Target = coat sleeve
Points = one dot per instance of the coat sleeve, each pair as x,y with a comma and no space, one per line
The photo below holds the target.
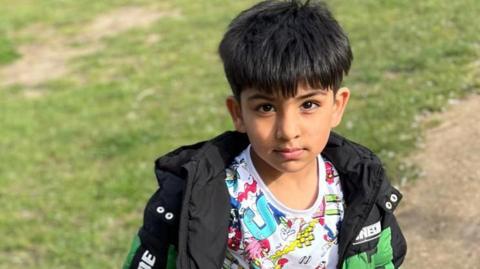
388,200
399,244
155,243
380,243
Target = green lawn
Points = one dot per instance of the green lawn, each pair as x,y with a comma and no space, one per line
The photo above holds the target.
7,51
76,160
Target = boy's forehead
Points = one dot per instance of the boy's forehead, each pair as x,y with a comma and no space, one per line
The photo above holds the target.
301,91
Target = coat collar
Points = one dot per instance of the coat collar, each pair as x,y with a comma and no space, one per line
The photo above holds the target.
360,171
359,167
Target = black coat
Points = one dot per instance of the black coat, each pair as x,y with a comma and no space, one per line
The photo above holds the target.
190,211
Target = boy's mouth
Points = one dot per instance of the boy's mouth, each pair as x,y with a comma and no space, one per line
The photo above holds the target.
290,153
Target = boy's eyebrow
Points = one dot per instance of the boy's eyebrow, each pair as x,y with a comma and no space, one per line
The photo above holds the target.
314,93
301,97
260,96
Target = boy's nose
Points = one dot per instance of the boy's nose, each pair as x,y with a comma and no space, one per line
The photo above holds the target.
287,127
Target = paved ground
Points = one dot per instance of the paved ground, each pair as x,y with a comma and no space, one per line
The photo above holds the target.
440,213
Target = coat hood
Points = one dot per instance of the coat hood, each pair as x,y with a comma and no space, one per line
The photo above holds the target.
212,156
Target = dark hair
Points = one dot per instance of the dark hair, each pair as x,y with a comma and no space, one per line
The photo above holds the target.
275,45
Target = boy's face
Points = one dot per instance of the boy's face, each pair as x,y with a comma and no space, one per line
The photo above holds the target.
287,134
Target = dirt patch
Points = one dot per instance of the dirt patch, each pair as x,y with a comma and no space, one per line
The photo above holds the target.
440,211
122,20
49,59
40,63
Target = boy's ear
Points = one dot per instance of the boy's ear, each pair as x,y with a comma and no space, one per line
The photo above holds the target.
235,111
340,103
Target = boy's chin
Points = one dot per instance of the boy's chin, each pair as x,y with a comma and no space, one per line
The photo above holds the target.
295,166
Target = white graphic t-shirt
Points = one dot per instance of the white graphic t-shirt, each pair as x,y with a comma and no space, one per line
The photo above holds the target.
264,233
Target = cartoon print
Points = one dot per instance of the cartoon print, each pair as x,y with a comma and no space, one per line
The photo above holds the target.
257,249
332,204
320,212
330,172
268,264
279,216
286,232
269,226
305,237
305,260
234,238
330,236
234,203
262,234
281,263
249,188
232,179
234,230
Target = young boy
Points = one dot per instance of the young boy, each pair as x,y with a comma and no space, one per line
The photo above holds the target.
282,191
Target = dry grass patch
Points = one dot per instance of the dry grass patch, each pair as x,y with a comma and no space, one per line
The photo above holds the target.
48,59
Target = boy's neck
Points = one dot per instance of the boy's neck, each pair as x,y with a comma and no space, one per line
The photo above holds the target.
296,190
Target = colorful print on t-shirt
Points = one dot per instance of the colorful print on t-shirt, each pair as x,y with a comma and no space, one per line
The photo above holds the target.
264,233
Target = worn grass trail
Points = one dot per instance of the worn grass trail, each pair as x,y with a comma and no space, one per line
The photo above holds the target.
439,214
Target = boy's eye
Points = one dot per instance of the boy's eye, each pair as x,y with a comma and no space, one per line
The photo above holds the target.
309,105
265,108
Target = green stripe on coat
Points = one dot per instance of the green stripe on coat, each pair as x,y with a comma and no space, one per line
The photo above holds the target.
131,253
381,259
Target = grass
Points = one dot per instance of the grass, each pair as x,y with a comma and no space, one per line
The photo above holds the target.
7,50
76,163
